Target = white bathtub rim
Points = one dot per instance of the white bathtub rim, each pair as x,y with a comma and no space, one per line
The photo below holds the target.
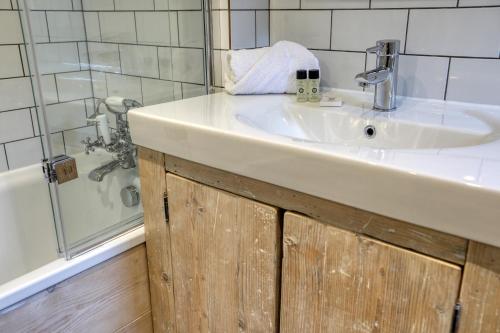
21,288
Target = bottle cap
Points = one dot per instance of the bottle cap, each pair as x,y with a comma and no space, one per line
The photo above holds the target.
301,74
314,74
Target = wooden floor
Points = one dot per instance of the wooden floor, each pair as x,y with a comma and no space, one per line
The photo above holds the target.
110,297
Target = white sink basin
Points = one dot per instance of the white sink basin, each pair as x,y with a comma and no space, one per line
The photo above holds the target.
356,125
432,163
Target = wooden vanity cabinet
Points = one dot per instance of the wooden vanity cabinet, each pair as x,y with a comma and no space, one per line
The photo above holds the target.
336,281
220,260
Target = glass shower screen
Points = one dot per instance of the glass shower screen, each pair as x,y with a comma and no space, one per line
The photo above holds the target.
90,62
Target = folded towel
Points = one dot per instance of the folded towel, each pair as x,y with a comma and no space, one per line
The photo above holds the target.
268,70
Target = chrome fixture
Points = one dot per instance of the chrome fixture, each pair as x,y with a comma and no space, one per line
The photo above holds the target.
130,196
119,142
384,76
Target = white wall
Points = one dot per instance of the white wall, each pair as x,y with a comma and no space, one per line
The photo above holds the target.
450,48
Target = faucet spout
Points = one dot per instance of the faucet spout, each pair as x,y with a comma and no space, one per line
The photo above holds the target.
374,76
98,174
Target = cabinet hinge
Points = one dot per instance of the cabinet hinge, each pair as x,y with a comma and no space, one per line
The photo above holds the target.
165,207
457,311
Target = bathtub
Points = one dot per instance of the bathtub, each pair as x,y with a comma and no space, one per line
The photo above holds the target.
29,258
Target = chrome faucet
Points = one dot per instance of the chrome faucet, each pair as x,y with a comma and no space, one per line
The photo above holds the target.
384,76
119,143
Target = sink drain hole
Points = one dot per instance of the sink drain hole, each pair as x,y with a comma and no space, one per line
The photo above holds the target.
370,131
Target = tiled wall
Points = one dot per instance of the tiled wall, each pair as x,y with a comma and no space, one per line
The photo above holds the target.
148,50
450,48
237,24
59,32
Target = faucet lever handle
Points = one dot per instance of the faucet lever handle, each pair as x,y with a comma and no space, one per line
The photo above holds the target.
374,49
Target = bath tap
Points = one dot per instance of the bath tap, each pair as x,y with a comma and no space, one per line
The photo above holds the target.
384,76
119,143
98,174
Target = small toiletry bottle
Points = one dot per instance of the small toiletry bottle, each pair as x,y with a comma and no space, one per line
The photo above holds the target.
313,89
301,85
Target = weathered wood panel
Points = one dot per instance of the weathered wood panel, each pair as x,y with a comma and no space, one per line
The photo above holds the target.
105,298
226,252
480,294
143,324
154,187
336,281
420,239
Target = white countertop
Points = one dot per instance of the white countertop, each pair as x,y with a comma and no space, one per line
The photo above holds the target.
454,189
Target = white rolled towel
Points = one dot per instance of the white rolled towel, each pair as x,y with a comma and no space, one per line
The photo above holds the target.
268,70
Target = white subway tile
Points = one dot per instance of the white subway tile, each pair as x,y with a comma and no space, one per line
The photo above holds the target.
220,4
139,60
58,57
157,91
66,26
51,4
423,77
285,4
242,29
16,93
92,26
49,90
339,68
165,61
117,27
413,3
23,153
3,158
262,23
99,84
477,3
77,4
474,80
153,28
134,5
177,91
73,139
65,116
10,64
220,29
188,65
39,26
104,57
192,90
73,86
356,30
10,28
98,5
124,86
15,125
184,4
191,29
459,32
217,68
302,27
57,142
174,31
4,4
249,4
333,4
84,56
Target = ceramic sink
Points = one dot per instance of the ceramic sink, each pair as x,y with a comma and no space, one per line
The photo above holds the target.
431,163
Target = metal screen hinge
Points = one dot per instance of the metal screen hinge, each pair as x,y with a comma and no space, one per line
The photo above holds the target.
457,312
60,169
165,207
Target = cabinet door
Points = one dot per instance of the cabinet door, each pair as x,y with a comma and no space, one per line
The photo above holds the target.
337,281
225,259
